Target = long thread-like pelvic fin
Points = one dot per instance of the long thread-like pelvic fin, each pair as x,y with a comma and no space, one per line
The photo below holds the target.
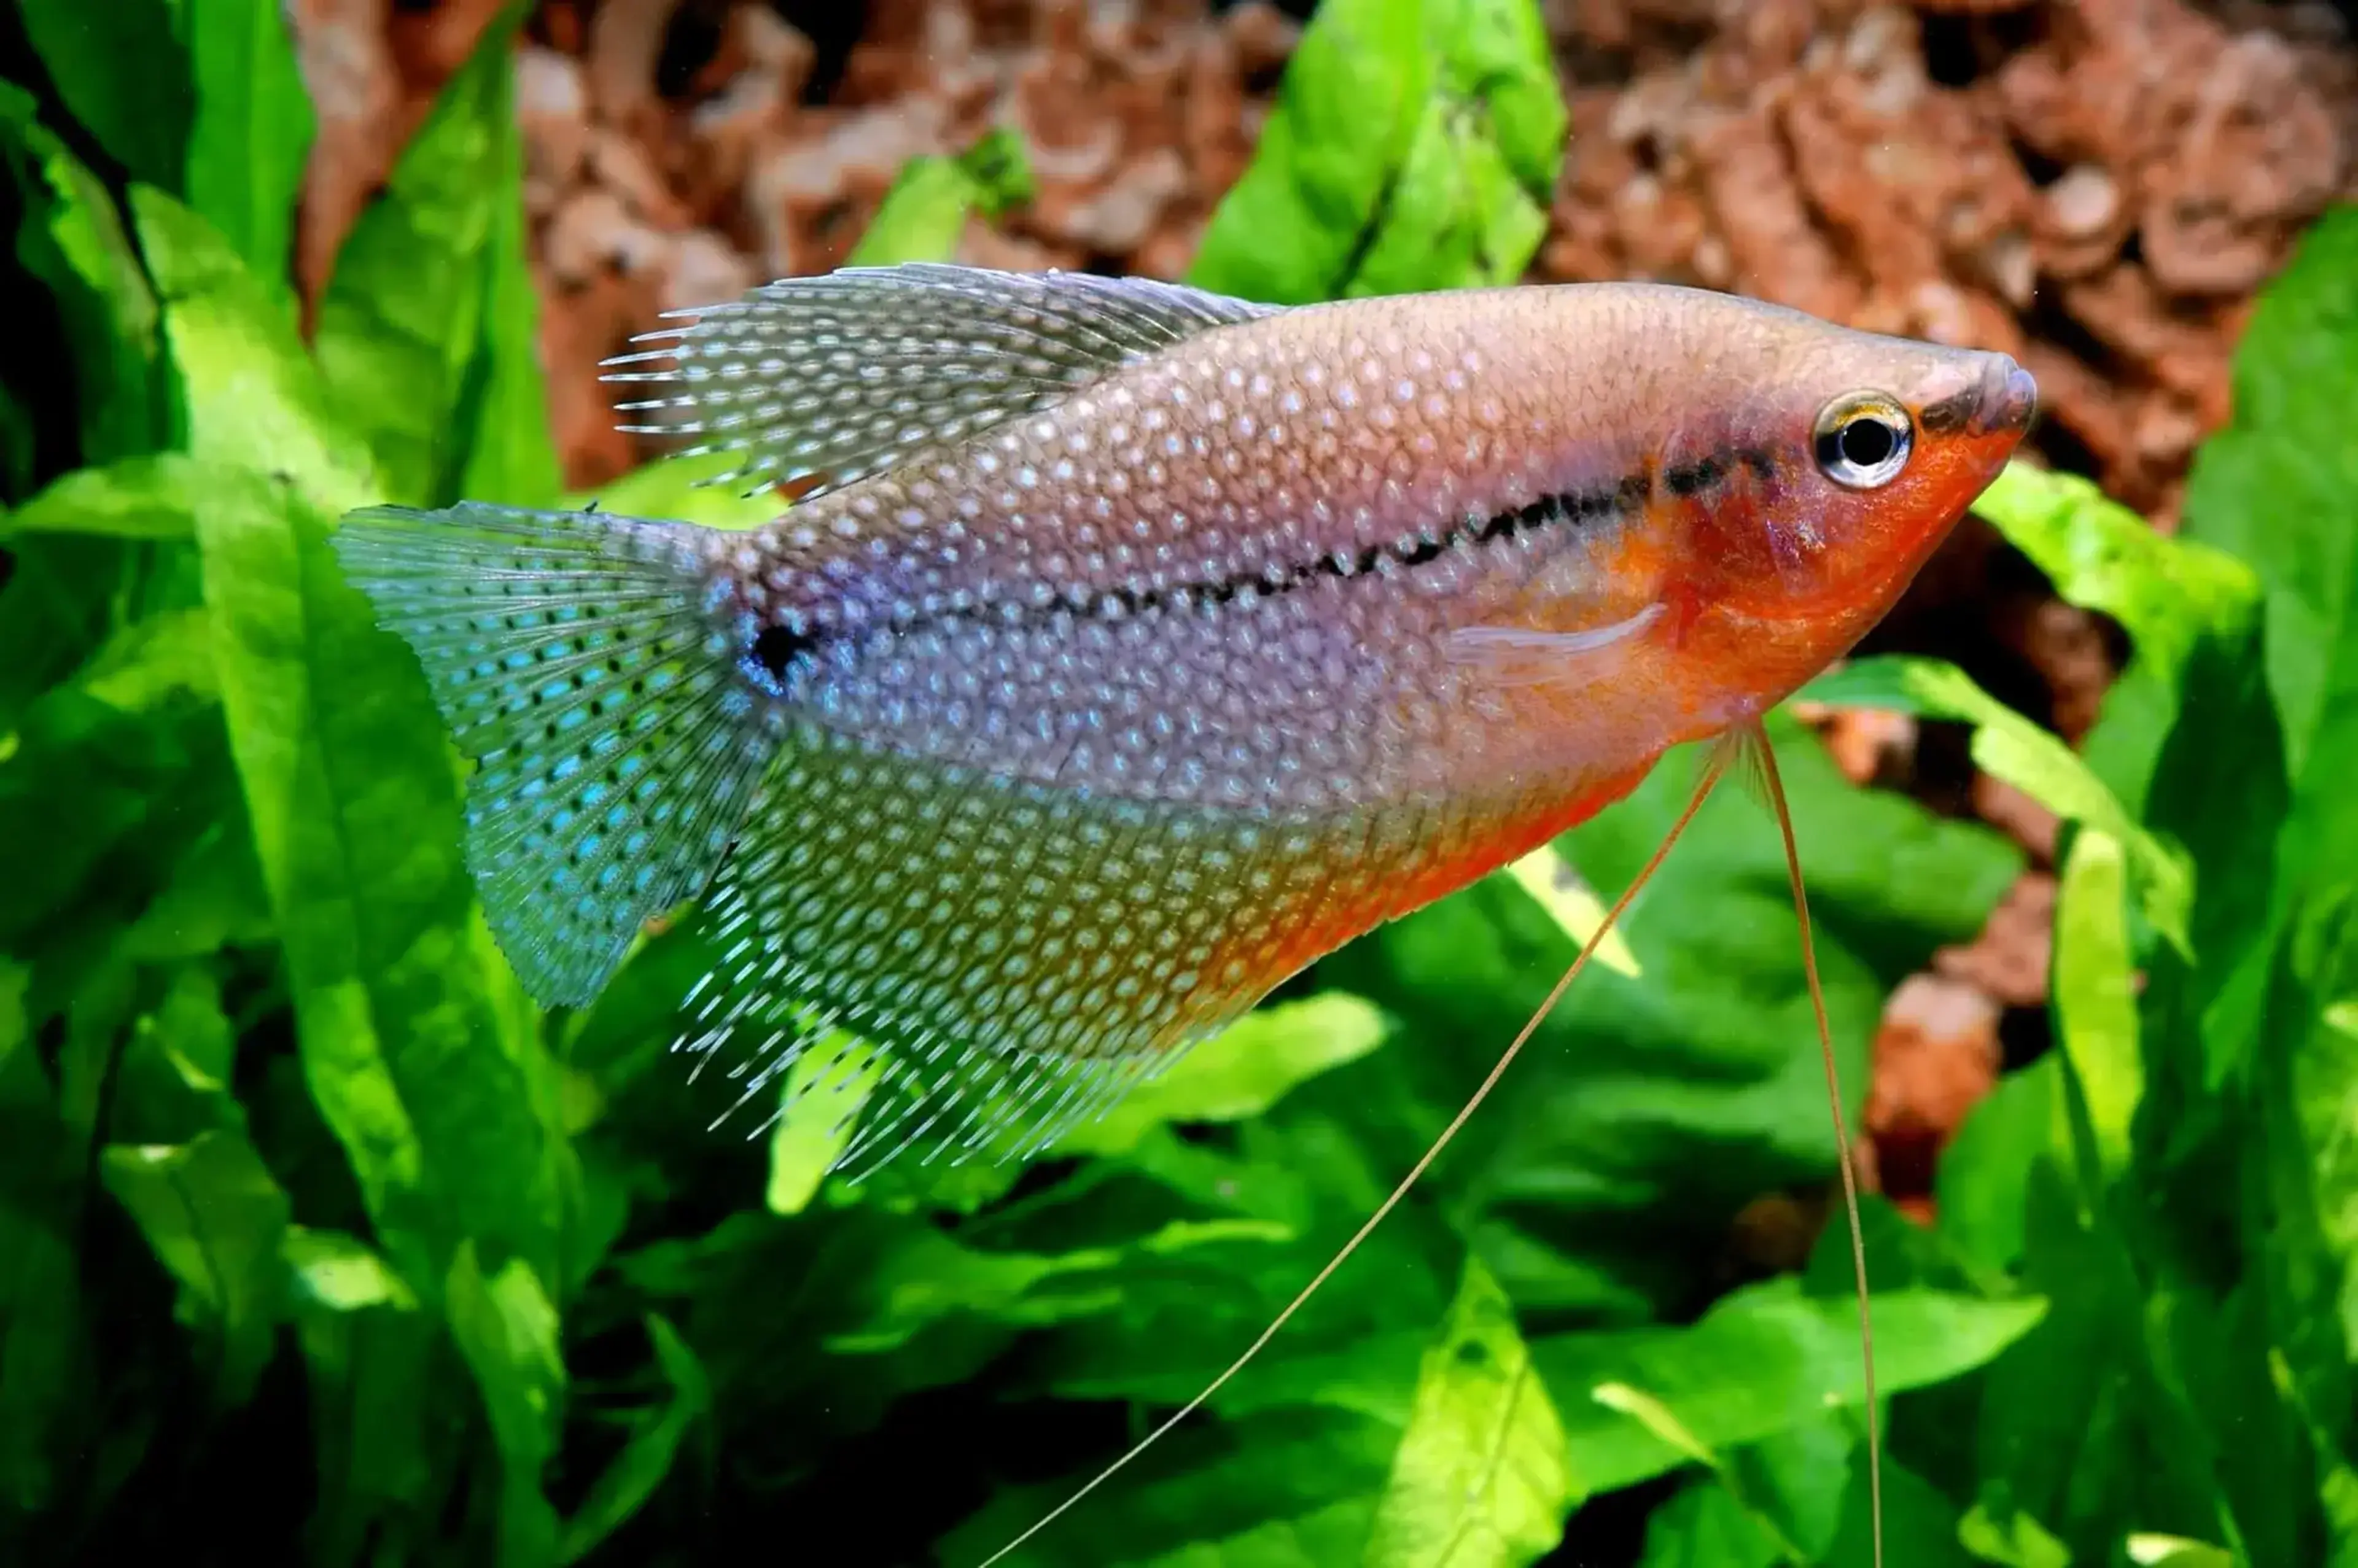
1750,747
616,743
1713,767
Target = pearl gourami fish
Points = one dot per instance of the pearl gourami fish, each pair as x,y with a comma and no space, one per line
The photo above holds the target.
1138,645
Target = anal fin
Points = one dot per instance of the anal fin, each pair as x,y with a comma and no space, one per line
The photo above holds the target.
1019,955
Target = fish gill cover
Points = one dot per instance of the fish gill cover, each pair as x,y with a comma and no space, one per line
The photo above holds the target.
318,1241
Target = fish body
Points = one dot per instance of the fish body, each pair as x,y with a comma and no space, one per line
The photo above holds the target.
1143,645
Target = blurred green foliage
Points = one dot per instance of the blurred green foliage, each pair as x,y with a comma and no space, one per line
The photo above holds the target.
318,1241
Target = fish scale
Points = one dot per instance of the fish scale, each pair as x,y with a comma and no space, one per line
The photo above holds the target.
1135,647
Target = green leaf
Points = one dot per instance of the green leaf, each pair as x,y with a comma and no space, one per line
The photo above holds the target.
816,1127
2302,1217
2086,1380
41,1339
2095,987
1288,1489
926,212
1454,216
2276,487
124,763
254,398
1499,52
1372,1372
2220,791
1658,1419
1705,1526
212,895
2320,1062
2011,1541
1983,1181
2279,487
2008,746
152,663
922,216
71,237
623,1488
336,1271
122,70
2172,597
2149,1550
1347,111
1481,1478
511,449
1758,1362
138,498
410,1040
999,171
1414,145
1557,886
62,600
403,323
173,1077
382,1373
1796,1498
507,1330
2164,592
398,994
1919,1523
252,128
1242,1071
61,1398
933,1280
215,1217
377,1374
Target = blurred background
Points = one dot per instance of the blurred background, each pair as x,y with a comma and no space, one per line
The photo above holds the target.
320,1243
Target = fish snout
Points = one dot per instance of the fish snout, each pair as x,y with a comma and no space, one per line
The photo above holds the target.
2007,398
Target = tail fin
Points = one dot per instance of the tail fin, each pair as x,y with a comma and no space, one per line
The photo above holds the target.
574,661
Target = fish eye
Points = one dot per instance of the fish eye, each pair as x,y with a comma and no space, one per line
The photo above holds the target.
1863,440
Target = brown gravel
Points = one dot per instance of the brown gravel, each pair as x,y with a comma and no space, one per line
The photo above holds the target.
1935,1056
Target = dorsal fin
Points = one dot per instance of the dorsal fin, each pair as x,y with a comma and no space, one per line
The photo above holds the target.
847,376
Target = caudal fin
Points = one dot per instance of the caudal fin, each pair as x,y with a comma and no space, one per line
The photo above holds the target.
618,745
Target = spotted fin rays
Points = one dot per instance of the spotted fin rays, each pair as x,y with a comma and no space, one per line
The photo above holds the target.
615,746
845,376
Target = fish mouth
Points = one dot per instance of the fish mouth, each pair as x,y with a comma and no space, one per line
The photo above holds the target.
2005,401
1999,401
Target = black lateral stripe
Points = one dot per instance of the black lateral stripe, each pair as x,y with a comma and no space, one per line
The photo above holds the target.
1577,508
1692,478
1627,497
